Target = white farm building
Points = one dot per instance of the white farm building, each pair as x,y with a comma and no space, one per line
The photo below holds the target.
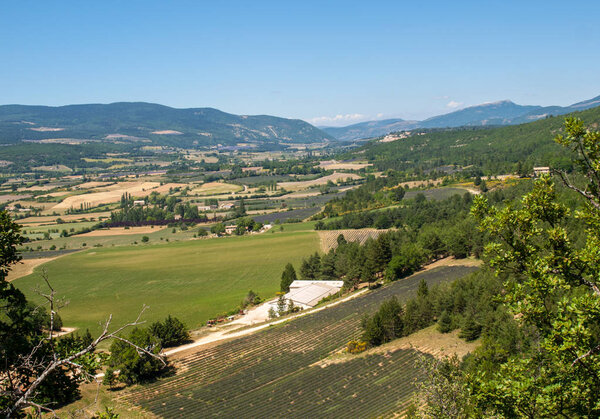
306,294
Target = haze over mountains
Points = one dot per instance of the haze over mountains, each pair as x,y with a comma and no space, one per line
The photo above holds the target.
497,113
193,127
148,122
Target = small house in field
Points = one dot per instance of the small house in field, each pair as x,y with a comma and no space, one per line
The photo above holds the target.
226,205
139,203
542,170
207,207
230,229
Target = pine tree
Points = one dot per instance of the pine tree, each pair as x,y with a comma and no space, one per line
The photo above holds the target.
287,277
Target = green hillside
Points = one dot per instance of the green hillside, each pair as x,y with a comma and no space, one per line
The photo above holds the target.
147,122
495,150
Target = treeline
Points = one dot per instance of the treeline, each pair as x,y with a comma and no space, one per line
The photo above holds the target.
393,255
469,304
160,210
496,150
419,212
135,367
375,192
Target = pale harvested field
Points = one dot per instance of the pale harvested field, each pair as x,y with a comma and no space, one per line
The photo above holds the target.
334,165
295,186
36,221
57,168
37,188
167,132
122,231
25,267
113,194
7,198
421,183
54,194
328,238
216,188
92,185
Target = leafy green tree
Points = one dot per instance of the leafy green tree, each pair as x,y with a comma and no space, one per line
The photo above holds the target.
134,366
170,332
551,286
218,229
287,277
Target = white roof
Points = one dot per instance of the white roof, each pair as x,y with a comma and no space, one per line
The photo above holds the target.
302,283
310,295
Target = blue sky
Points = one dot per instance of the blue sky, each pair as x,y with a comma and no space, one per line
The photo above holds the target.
328,62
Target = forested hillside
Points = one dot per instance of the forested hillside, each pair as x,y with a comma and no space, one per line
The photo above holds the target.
495,150
148,122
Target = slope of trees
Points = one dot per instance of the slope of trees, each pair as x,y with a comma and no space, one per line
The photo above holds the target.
540,356
494,150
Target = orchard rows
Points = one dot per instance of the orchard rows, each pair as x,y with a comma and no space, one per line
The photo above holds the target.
271,373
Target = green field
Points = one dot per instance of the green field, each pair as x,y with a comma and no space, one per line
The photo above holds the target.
193,280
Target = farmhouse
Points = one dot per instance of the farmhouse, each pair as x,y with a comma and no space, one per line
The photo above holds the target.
542,170
230,229
225,205
140,203
206,207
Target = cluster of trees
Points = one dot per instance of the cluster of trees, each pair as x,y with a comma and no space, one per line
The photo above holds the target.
160,209
242,226
469,304
540,352
129,366
392,255
375,192
413,214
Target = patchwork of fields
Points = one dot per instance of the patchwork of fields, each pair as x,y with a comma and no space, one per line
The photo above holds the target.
272,373
192,280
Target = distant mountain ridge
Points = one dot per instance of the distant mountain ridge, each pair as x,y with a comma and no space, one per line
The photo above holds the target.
504,112
148,122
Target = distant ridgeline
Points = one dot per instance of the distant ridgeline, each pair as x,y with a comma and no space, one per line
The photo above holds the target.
496,150
147,123
503,112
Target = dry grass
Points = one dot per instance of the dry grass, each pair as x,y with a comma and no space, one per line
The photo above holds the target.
122,231
216,188
25,267
114,192
427,340
43,220
334,165
421,183
334,177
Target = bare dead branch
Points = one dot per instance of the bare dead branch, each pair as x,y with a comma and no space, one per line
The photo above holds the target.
592,199
24,399
585,355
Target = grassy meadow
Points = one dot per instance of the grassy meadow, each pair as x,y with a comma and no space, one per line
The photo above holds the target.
193,280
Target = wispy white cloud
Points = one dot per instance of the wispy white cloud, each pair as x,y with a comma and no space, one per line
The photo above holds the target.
454,104
340,119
